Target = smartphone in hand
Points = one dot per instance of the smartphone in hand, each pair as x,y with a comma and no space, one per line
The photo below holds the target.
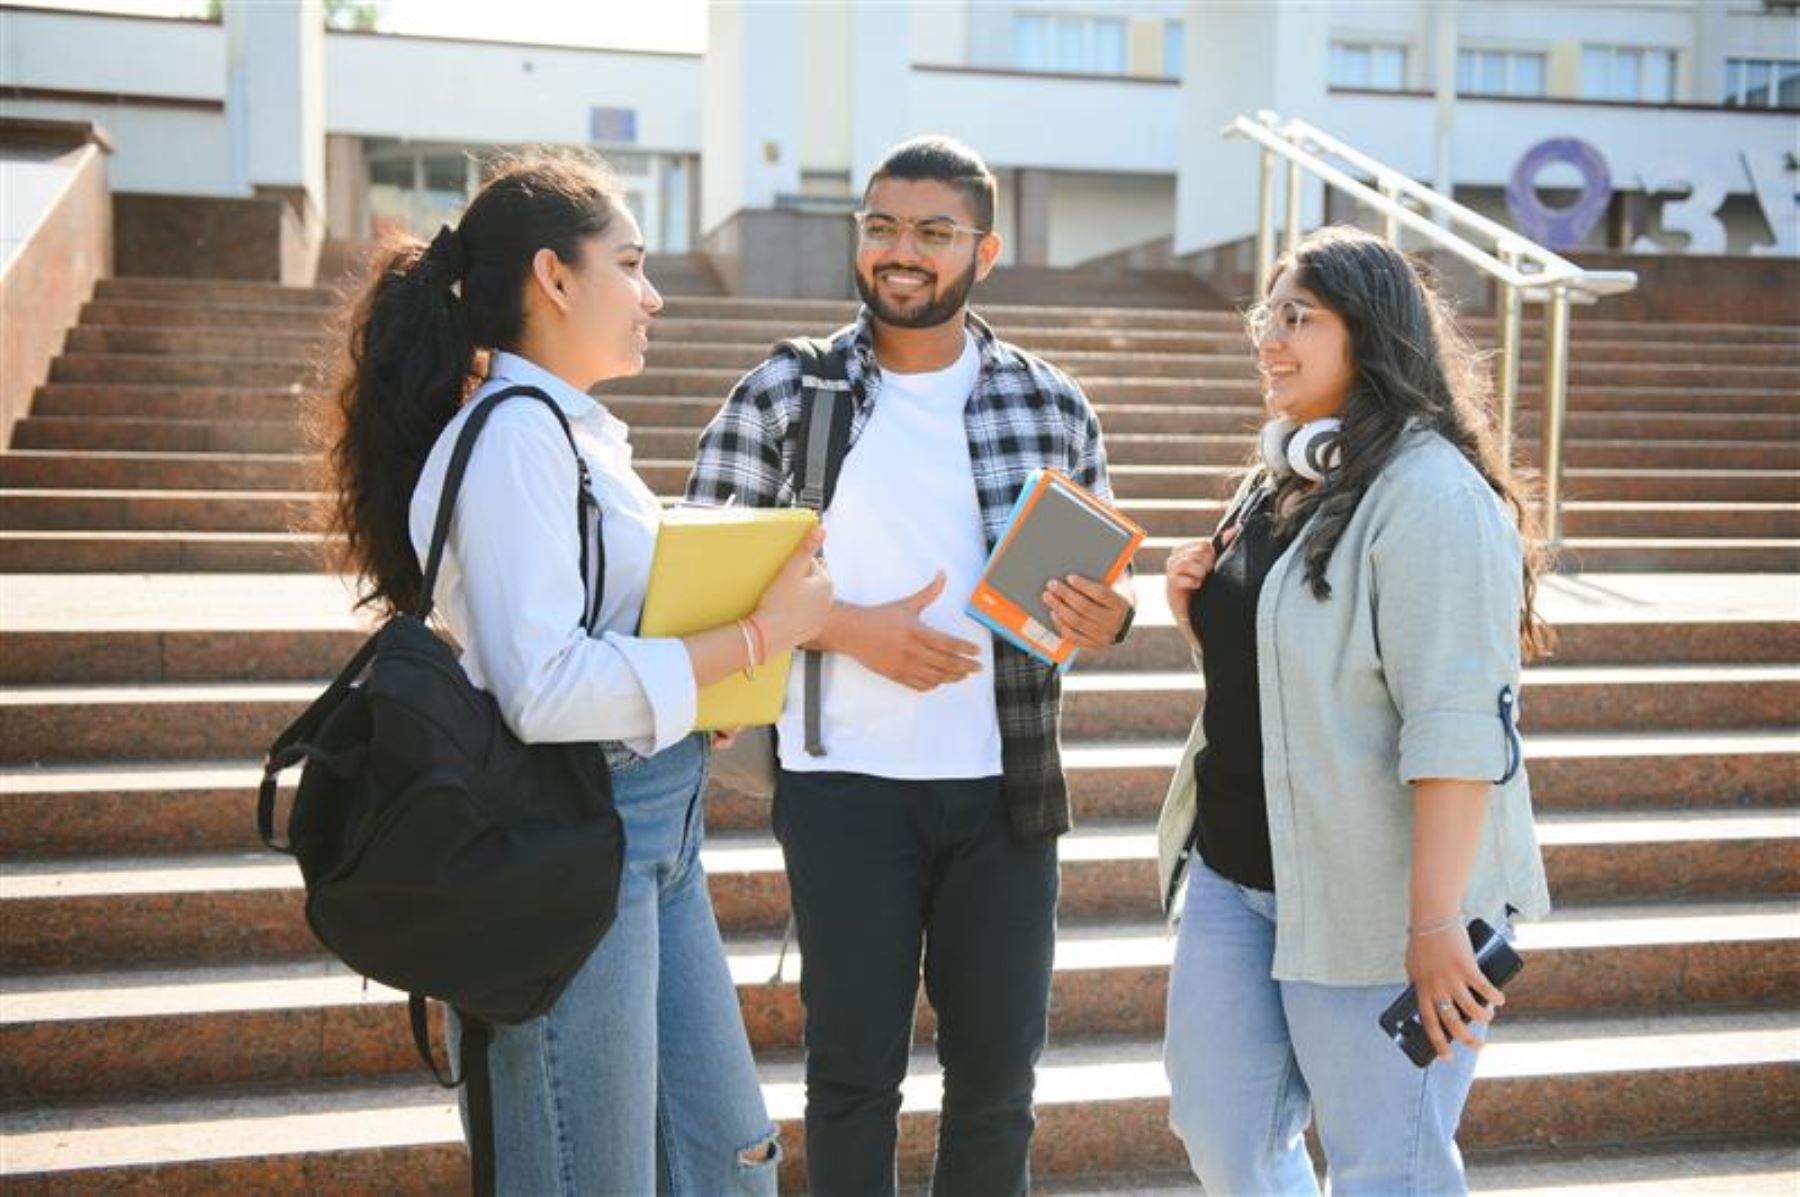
1400,1021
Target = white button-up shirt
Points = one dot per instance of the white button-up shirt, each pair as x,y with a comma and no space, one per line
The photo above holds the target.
510,587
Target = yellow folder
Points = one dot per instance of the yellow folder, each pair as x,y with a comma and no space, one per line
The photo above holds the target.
711,567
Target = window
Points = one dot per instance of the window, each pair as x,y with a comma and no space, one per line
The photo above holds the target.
1500,72
1172,48
1068,42
1636,74
1356,64
1762,83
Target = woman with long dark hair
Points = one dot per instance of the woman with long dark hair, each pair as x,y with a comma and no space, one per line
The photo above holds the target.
1352,794
640,1079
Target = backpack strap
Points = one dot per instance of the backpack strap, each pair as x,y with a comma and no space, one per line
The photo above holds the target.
824,441
477,1039
587,509
294,744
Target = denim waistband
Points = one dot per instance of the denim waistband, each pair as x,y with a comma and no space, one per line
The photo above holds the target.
617,754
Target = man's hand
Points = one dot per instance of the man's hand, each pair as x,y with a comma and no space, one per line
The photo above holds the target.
1086,613
890,640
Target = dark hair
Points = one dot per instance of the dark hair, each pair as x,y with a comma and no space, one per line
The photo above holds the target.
943,160
409,356
1411,363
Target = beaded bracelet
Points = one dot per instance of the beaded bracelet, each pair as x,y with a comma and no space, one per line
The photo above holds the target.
1436,928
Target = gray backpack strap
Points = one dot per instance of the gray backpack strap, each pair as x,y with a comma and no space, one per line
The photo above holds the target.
825,411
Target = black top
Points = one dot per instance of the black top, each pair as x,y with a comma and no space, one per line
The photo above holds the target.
1232,826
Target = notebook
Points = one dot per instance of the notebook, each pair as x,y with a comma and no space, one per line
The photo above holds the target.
711,567
1056,529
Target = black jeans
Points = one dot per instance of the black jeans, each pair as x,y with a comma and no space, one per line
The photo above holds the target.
882,873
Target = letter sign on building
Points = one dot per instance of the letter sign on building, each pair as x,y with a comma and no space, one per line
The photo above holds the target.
1559,228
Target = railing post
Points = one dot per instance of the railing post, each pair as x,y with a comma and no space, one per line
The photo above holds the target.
1265,222
1509,307
1556,392
1390,223
1293,206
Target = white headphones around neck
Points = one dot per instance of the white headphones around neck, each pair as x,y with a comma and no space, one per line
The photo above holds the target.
1310,450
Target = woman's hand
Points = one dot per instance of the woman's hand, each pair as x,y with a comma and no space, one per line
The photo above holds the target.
1441,965
1187,570
794,608
724,738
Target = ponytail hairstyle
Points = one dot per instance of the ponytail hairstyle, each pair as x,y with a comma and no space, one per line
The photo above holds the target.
413,341
1411,363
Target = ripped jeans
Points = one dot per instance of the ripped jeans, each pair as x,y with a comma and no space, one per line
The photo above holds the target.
640,1079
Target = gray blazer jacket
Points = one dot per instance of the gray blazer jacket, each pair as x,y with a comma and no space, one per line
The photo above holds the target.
1409,670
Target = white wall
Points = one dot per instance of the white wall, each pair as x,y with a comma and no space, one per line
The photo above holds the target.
86,52
825,103
940,33
1492,135
471,92
990,24
1241,58
1065,124
1091,215
166,150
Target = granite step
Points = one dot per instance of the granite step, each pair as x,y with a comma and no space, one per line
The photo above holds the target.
207,510
1673,450
107,808
293,342
1101,1106
262,371
1587,519
216,292
136,328
1159,704
1606,555
1103,376
1736,1166
50,469
1596,451
198,720
277,552
824,314
144,1032
141,911
269,649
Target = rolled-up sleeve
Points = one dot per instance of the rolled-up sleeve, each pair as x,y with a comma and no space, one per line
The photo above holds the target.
518,548
1447,594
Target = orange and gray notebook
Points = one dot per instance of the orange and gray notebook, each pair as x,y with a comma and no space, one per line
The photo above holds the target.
1056,529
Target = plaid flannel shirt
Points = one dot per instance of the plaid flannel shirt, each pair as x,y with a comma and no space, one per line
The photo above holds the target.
1024,414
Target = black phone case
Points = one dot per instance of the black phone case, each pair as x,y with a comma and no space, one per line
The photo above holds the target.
1400,1021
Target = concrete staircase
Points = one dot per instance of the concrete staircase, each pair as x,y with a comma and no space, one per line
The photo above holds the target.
167,1025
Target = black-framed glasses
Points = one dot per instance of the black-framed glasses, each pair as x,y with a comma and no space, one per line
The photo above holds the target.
1281,320
930,233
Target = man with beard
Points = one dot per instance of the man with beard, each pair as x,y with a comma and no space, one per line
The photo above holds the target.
926,828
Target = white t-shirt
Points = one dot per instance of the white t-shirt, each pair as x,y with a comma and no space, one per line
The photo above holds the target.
905,507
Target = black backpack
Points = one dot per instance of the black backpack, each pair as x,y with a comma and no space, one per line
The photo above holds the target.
441,855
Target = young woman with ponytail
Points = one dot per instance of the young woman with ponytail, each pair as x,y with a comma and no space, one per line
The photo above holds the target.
1352,793
640,1079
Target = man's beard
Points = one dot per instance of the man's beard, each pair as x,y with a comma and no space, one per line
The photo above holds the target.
938,310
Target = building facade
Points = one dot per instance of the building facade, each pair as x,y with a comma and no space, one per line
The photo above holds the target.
1103,120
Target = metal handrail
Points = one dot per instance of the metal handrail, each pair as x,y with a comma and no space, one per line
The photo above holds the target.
1524,271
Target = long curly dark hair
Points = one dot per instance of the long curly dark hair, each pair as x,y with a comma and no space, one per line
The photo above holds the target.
412,341
1411,363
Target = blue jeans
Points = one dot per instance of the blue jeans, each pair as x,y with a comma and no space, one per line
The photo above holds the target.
1251,1059
639,1080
